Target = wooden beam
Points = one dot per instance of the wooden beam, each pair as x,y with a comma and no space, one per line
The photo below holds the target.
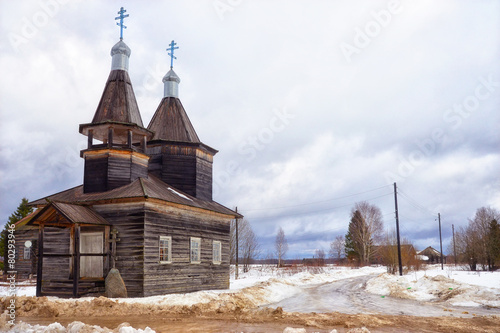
110,137
106,248
76,261
90,138
129,139
39,270
71,251
144,144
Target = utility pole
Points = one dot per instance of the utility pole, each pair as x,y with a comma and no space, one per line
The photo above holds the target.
397,230
454,247
237,246
440,241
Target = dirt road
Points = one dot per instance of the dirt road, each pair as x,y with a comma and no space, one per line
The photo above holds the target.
349,296
338,305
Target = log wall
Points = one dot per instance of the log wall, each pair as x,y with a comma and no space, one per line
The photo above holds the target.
181,275
128,219
109,169
25,267
56,241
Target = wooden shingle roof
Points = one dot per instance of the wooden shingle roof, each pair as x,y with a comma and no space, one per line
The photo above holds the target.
150,187
118,103
171,122
70,212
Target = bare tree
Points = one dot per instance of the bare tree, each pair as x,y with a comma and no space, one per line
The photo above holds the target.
320,257
281,245
365,229
337,247
473,242
248,246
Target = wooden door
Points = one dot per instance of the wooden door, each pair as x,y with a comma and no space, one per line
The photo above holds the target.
91,242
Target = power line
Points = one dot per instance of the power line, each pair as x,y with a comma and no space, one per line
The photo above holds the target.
316,211
415,204
317,202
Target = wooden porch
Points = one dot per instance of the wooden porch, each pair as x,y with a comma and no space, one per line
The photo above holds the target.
73,251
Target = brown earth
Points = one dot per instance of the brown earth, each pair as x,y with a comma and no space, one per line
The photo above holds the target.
235,308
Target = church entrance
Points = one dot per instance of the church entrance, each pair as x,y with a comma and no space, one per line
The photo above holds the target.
90,243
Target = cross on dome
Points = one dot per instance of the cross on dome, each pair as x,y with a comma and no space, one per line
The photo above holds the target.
121,17
171,48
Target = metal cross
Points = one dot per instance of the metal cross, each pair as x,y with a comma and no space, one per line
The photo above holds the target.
121,17
171,53
113,241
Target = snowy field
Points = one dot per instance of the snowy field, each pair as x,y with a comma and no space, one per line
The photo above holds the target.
266,285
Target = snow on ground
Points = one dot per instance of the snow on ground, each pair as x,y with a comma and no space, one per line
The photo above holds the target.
24,288
463,288
459,288
74,327
274,285
264,285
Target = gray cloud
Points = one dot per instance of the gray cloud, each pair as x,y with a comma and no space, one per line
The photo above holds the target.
356,122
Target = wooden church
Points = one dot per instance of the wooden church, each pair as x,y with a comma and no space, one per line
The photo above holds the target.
145,205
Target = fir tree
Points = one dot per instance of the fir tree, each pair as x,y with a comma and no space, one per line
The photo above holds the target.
494,244
21,212
350,252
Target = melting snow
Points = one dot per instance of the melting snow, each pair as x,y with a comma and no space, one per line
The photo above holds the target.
179,194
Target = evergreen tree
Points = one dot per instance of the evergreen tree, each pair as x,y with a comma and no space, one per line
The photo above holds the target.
494,244
21,212
350,252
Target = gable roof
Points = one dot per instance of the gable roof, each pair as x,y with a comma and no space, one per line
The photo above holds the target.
20,225
430,251
72,213
150,187
171,122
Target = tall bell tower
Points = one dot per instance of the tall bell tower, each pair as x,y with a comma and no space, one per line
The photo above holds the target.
119,155
178,156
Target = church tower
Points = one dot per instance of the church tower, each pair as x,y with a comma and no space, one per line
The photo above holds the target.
178,157
120,156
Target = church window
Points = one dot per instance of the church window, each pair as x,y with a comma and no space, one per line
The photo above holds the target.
195,250
216,252
165,249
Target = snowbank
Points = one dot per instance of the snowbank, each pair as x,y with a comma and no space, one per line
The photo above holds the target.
74,327
433,285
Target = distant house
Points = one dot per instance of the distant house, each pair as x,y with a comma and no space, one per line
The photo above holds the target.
145,205
430,255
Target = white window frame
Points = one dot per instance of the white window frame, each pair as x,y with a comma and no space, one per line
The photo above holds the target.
195,240
216,252
169,249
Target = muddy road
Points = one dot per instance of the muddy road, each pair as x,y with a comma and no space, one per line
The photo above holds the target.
350,296
340,305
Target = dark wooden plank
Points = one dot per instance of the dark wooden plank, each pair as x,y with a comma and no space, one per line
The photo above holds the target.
76,262
39,271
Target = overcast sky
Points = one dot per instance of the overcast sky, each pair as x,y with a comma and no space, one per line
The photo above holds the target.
313,105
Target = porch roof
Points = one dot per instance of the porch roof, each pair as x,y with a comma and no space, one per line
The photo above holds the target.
72,213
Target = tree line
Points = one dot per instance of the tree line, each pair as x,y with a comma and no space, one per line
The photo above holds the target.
478,244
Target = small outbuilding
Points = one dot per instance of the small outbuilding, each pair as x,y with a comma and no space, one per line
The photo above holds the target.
430,255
